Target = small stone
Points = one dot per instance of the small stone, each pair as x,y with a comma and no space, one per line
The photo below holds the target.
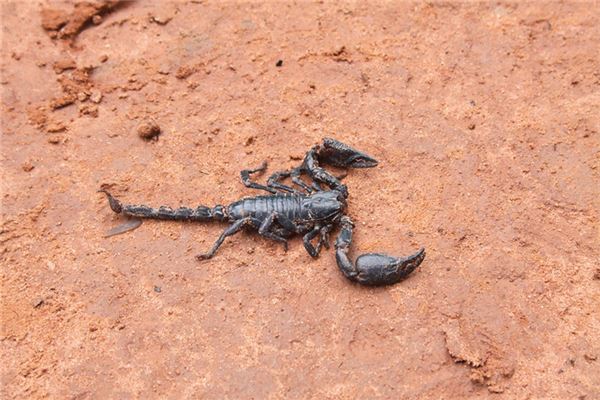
81,96
38,303
88,109
157,289
97,19
185,71
471,126
164,69
27,166
63,65
54,139
279,63
96,96
148,130
249,141
56,127
103,58
161,19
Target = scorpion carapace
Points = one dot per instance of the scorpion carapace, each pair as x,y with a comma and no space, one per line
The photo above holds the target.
311,211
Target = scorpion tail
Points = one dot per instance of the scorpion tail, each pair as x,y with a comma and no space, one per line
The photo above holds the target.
372,269
200,213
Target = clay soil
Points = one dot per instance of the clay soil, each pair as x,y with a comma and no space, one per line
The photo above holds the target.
485,118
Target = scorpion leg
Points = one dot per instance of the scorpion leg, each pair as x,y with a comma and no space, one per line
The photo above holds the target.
316,187
372,269
295,176
296,172
324,239
264,230
310,249
273,182
231,230
245,175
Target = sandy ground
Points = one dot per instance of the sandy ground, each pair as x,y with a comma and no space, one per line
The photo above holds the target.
485,118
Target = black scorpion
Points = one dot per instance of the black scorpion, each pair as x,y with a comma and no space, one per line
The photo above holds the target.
287,211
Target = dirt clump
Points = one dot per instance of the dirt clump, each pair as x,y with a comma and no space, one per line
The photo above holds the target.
66,25
148,130
76,86
64,64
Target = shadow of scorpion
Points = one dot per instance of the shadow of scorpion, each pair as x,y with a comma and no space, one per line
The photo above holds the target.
286,211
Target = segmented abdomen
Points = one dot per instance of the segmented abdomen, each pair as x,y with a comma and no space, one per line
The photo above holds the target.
260,207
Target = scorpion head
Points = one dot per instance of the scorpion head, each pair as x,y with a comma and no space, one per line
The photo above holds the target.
325,206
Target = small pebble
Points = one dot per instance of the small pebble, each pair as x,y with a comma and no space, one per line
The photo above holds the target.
27,166
157,289
148,130
161,19
54,139
96,96
279,63
56,127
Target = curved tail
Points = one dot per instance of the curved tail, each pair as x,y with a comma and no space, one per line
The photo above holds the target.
200,213
372,269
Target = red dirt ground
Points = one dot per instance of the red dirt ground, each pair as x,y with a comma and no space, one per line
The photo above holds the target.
485,118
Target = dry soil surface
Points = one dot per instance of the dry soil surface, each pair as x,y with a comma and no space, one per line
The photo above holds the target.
485,118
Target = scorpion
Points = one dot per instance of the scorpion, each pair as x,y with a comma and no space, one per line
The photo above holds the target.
286,211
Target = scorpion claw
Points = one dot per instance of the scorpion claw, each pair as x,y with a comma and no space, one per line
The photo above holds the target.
381,269
372,269
339,154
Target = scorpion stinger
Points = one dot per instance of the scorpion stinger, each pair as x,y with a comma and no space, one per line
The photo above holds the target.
372,269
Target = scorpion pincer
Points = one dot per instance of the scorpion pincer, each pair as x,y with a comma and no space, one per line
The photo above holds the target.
311,211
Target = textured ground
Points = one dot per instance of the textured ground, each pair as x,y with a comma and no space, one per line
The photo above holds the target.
485,118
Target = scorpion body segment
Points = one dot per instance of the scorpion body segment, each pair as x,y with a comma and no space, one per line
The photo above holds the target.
286,211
